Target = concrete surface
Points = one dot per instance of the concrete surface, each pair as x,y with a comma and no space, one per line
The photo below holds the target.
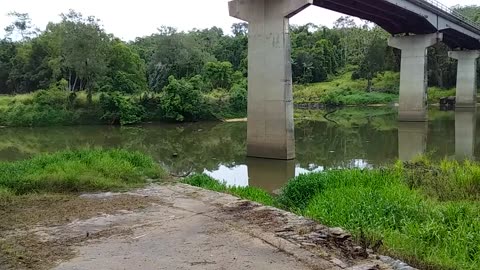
193,228
413,75
270,96
466,78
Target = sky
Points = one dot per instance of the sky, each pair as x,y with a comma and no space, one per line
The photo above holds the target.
128,19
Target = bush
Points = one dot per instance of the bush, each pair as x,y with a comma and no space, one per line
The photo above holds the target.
219,74
239,98
180,101
119,109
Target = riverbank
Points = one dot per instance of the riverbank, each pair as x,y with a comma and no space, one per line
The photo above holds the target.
342,90
190,228
43,191
424,213
56,107
49,221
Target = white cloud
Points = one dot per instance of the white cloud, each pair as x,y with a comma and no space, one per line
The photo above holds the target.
129,19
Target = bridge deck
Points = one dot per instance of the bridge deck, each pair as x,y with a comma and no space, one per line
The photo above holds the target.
396,18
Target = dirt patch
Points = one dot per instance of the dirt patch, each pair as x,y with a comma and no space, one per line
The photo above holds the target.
20,248
255,214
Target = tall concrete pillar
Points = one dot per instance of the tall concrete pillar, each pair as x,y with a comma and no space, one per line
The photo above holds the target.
412,140
270,97
466,77
413,74
465,131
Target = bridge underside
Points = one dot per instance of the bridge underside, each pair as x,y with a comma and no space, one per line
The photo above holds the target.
396,20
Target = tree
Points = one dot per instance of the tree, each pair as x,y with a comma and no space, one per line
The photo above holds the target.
219,74
472,12
84,46
126,70
240,29
7,53
179,54
373,61
180,101
21,28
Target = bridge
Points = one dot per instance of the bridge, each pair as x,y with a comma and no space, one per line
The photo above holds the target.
415,25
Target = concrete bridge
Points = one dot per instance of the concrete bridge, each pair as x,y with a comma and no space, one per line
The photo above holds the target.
415,25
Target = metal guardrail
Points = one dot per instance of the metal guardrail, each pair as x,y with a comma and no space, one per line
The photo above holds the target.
452,12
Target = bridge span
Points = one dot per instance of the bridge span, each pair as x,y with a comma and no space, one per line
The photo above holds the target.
415,25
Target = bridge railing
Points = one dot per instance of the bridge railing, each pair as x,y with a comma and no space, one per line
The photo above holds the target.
452,12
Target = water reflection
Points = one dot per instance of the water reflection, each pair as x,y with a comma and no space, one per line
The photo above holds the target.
271,175
412,139
351,137
465,130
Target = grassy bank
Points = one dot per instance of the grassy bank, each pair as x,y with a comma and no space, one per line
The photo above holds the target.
77,171
42,191
424,213
342,90
54,107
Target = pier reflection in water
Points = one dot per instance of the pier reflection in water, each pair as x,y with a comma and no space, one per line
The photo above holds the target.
412,139
465,130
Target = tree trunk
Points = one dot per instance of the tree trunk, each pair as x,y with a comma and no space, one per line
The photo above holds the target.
75,83
369,86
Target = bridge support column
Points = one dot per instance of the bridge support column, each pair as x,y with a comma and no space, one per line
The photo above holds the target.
270,97
413,75
466,77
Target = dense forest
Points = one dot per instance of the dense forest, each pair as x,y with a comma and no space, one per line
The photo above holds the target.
180,76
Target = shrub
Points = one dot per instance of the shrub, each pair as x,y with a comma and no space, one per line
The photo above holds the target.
119,109
219,74
180,101
238,98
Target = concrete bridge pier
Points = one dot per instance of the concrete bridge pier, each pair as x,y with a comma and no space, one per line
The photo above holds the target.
466,77
413,75
270,95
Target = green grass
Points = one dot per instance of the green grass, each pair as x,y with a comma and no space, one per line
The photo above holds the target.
342,90
77,171
47,108
248,193
425,213
435,93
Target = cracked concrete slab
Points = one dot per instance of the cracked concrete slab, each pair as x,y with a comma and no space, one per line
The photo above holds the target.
191,228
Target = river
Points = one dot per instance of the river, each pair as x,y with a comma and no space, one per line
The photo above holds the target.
351,137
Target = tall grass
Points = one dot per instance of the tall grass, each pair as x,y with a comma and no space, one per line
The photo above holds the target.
425,213
48,108
435,93
77,171
249,193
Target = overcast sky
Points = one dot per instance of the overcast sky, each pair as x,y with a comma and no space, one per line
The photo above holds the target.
128,19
